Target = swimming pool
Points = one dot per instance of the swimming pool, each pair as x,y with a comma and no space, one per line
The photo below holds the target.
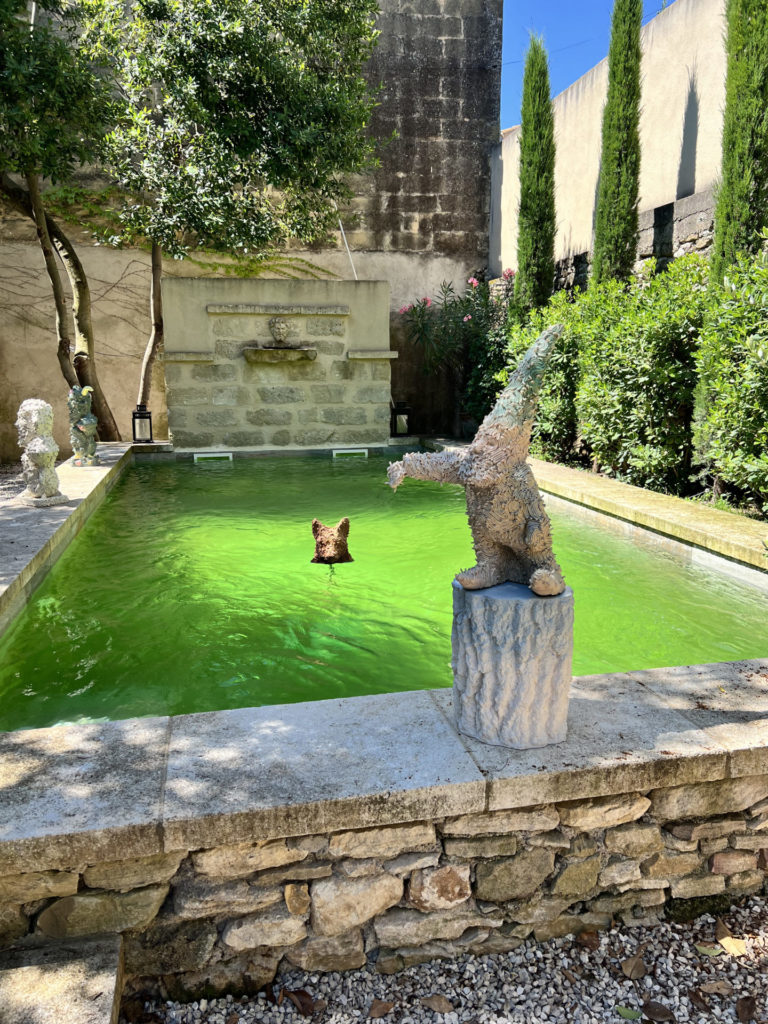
191,589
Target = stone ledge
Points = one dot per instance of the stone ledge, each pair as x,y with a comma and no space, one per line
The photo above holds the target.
293,770
274,309
373,353
727,534
188,357
33,538
283,354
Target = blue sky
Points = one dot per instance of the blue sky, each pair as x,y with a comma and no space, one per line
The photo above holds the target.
575,34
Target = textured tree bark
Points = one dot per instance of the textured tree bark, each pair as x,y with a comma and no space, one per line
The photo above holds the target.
156,335
84,370
52,269
85,359
512,654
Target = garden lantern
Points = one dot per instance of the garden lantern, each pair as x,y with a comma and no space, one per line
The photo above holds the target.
142,424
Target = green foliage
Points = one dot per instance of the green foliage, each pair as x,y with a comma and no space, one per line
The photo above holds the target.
536,218
619,388
742,199
467,334
616,222
635,398
54,103
555,431
241,117
731,430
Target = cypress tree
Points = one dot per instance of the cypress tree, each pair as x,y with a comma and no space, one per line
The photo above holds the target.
536,219
616,215
742,199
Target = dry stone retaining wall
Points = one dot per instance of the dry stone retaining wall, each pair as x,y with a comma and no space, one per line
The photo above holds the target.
205,921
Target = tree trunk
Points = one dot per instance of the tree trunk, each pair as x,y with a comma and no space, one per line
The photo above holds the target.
156,335
85,361
52,268
85,367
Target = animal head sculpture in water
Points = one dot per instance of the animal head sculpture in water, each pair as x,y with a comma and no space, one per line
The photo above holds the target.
510,529
331,542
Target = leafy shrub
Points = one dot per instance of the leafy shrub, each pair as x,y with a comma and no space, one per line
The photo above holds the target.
619,388
638,376
731,431
467,334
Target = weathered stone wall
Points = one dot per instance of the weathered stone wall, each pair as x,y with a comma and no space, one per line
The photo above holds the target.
229,385
204,921
423,219
681,116
438,62
672,230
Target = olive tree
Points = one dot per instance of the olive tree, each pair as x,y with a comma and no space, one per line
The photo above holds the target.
240,119
55,107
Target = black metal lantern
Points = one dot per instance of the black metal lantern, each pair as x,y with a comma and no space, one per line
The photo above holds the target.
142,425
401,412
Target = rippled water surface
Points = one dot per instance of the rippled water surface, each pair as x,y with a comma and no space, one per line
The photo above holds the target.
191,589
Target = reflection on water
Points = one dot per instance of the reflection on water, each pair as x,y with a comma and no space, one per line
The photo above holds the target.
192,589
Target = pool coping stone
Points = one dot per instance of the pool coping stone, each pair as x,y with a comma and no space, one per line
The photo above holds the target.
78,794
32,539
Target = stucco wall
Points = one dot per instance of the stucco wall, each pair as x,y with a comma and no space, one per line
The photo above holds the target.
683,91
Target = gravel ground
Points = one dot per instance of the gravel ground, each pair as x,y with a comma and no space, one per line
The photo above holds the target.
11,480
566,980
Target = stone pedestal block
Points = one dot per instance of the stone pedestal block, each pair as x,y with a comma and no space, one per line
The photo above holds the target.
512,653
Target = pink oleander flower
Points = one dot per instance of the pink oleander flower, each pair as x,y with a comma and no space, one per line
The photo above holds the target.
508,274
405,309
473,281
427,301
467,317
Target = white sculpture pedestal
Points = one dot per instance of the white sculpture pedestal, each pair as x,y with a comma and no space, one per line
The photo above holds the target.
512,653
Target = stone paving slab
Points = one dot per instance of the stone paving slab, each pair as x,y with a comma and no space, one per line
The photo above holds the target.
32,539
72,795
302,768
622,737
728,702
76,982
724,533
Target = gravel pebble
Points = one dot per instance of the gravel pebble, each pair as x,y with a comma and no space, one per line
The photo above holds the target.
558,982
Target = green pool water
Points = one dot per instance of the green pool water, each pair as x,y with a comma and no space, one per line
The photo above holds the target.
191,589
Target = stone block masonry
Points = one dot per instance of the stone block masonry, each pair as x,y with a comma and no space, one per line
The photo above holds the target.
332,834
230,385
203,921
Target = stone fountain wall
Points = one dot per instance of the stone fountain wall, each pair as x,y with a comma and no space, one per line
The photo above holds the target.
232,384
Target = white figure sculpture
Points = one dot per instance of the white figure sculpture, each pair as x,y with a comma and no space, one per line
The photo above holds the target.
35,426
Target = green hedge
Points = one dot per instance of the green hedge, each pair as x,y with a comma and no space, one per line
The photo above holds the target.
620,388
731,428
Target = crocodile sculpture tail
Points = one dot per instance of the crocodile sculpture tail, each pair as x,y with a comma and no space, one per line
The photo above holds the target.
516,404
